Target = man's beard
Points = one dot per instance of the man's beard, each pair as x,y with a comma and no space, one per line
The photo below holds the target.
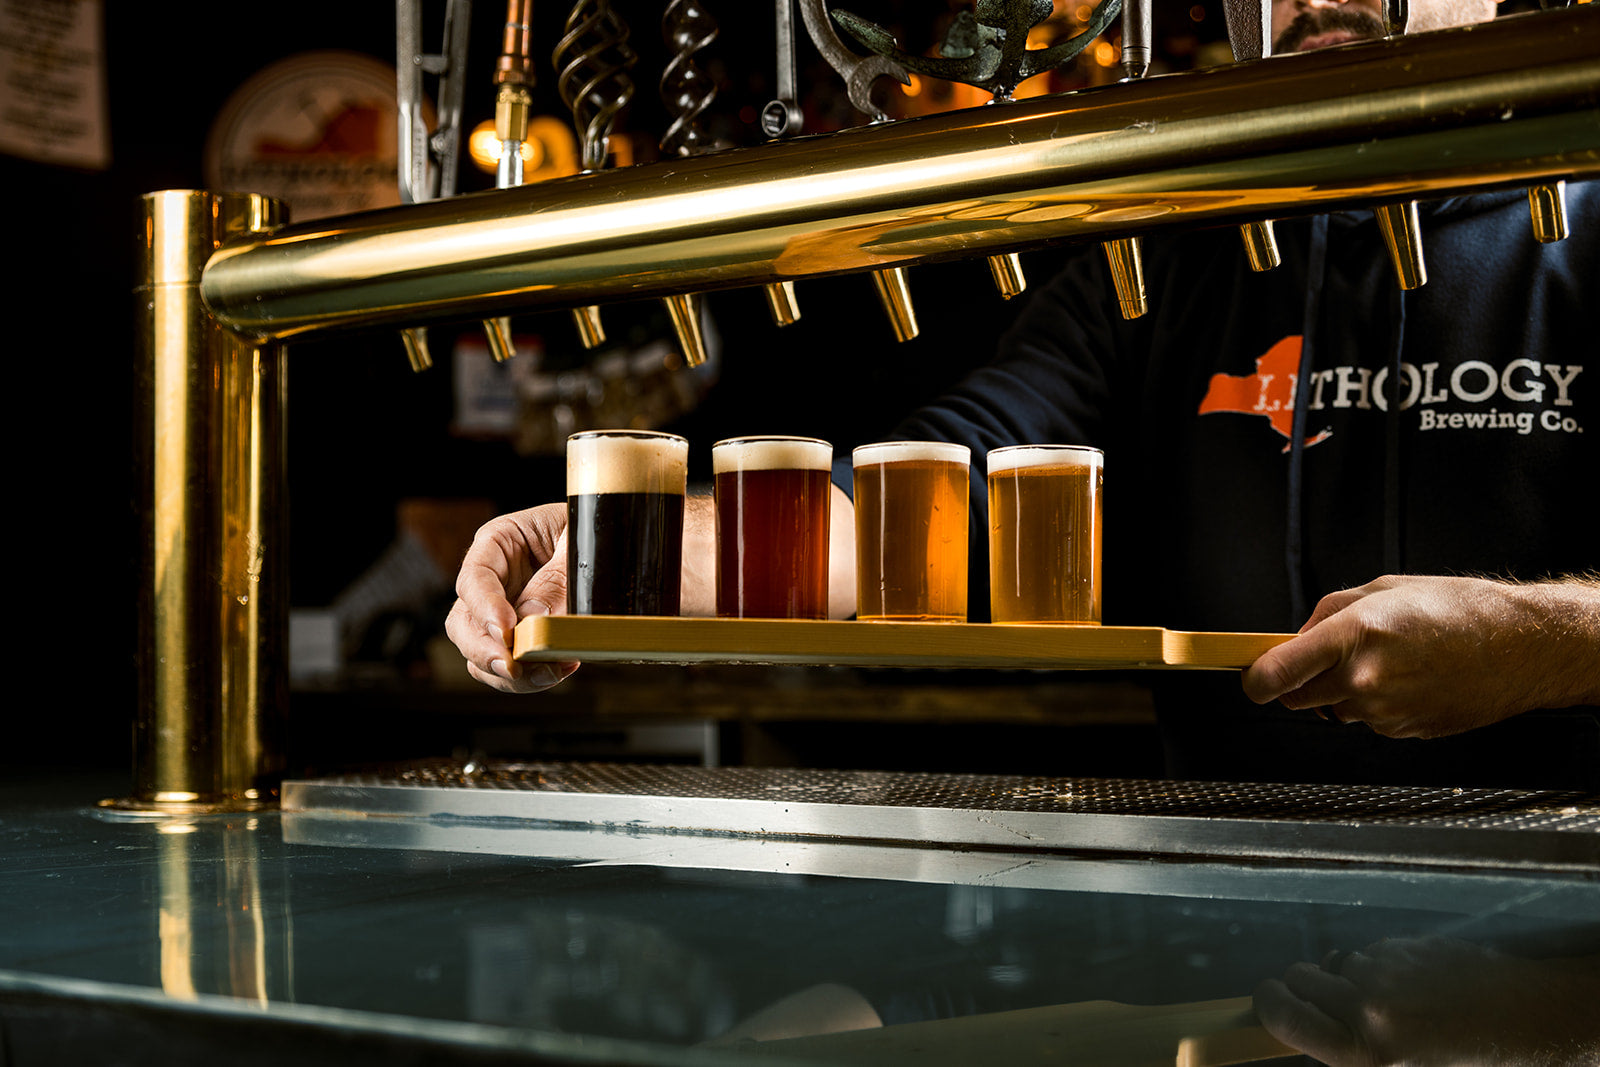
1329,20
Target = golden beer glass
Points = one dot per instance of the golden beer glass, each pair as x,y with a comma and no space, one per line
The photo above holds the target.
1045,520
911,501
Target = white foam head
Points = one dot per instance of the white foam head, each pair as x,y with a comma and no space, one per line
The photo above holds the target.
627,461
908,451
771,453
1016,457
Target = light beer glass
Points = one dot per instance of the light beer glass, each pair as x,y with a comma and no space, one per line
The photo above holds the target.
1045,518
625,492
911,531
772,496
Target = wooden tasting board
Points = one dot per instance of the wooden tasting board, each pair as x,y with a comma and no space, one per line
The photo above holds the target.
653,639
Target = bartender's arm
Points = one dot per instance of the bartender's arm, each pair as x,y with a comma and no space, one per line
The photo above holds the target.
1423,656
517,568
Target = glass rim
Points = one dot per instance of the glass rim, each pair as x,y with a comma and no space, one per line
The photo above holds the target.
953,452
1049,452
760,438
653,435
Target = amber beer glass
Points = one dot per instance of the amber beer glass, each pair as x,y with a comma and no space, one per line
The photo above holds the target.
1045,517
625,493
911,531
772,496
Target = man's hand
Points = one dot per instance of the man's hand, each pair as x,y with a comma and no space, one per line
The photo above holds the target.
1428,656
1435,1000
516,568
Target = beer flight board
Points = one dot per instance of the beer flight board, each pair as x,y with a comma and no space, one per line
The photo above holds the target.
659,639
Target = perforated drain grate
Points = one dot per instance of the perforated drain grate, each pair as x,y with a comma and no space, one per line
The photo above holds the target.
1411,823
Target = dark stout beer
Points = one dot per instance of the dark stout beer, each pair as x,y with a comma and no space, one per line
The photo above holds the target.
625,493
911,531
1045,518
772,496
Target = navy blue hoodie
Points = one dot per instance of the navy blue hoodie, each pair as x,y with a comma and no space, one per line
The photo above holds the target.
1235,499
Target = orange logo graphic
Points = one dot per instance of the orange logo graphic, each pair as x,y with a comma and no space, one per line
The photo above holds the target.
1269,392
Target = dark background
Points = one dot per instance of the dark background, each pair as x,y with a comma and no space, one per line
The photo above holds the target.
364,431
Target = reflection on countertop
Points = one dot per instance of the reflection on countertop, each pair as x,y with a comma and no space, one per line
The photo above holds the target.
591,952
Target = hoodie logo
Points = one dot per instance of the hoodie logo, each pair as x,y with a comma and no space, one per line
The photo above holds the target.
1269,392
1522,396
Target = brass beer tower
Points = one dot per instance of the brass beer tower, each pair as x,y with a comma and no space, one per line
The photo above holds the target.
1508,104
213,601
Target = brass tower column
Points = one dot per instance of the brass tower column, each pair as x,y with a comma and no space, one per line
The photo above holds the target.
209,459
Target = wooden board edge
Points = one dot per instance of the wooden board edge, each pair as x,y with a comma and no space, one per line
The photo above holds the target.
1190,648
850,643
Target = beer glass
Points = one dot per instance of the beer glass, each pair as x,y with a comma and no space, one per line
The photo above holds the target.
1045,517
772,496
625,492
911,531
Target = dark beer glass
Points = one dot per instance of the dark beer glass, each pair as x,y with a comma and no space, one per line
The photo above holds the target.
625,492
1045,519
911,531
772,497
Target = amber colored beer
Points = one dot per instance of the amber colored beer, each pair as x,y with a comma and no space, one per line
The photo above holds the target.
1045,519
625,491
911,531
772,497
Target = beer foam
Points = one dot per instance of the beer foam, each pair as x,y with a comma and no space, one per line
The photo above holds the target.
1017,457
908,451
627,462
771,453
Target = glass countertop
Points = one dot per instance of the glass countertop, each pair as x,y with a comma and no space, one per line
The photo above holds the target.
600,944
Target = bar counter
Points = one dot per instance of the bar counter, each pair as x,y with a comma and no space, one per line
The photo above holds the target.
347,928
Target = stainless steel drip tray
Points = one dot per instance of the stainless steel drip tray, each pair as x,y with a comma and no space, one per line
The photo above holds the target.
1408,825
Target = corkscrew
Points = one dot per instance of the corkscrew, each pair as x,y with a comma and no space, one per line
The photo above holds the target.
592,61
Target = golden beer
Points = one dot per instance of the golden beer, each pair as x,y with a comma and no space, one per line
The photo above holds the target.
1045,519
911,531
772,502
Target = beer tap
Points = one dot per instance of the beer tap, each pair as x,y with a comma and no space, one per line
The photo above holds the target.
860,74
987,48
513,77
1123,254
1250,37
1547,203
1399,222
686,91
592,60
428,160
783,118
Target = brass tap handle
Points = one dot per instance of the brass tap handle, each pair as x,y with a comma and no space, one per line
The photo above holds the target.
416,342
781,303
1548,205
1402,235
1127,274
1008,277
590,330
498,334
896,298
1260,245
685,312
